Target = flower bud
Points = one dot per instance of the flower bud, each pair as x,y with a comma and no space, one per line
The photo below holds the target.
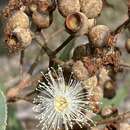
13,45
18,19
80,52
90,83
91,8
67,7
98,35
23,36
79,70
41,20
109,89
97,95
43,6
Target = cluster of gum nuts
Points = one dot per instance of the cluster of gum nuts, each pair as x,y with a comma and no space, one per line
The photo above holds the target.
79,20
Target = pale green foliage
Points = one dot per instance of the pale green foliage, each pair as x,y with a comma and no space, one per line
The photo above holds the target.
3,111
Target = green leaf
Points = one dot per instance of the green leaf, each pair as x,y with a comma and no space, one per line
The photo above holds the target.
121,94
3,111
13,122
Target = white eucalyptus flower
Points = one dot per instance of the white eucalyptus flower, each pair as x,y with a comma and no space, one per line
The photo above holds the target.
60,105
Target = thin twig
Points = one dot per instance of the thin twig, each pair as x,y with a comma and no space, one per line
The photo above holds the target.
122,26
28,80
125,65
21,63
118,118
36,61
18,98
44,47
63,44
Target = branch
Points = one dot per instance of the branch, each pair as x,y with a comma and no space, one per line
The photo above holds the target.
43,49
125,66
118,118
21,62
122,26
36,61
63,45
44,46
16,92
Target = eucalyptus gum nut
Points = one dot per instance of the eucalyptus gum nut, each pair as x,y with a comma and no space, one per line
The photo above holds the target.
79,52
97,93
127,45
19,40
11,43
79,70
91,8
23,36
43,6
33,7
109,89
41,20
67,7
91,82
13,46
18,19
17,32
77,23
98,35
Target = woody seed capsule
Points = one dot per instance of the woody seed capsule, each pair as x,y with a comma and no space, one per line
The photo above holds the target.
23,36
42,20
17,32
67,7
77,23
98,35
18,19
91,8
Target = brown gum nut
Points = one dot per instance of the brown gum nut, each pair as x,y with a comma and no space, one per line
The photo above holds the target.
41,20
98,35
91,8
23,36
18,19
77,23
79,70
67,7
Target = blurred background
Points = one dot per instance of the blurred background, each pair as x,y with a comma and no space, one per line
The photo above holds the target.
20,115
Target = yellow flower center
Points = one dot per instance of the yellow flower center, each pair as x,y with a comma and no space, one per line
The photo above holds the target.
60,103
